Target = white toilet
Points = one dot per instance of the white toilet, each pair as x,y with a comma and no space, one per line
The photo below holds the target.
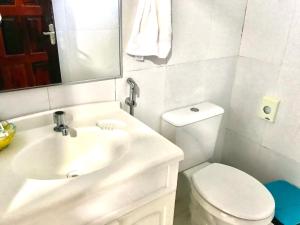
220,194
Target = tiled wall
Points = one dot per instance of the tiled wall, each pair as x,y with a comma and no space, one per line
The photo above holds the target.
269,64
206,43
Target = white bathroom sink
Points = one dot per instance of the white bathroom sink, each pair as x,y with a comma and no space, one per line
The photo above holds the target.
55,156
118,159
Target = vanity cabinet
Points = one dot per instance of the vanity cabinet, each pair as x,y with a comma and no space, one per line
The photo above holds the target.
157,212
154,206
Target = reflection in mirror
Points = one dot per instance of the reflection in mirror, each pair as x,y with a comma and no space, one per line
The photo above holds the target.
88,38
33,33
27,56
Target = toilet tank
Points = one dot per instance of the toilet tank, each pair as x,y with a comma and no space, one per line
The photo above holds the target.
195,130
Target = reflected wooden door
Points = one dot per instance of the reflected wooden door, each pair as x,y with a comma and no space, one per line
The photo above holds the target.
28,54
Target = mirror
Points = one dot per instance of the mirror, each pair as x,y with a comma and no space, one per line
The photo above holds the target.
89,39
46,42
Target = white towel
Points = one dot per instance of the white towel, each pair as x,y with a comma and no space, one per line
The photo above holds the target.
152,30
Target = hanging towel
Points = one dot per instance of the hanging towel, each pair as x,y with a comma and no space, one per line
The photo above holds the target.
152,30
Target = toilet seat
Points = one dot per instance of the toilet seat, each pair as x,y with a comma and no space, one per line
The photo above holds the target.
233,192
198,204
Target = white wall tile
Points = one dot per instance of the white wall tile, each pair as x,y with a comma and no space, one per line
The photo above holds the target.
284,135
240,152
192,24
192,83
254,79
218,77
150,103
226,32
206,29
266,29
292,56
18,103
258,161
67,95
270,166
274,166
183,85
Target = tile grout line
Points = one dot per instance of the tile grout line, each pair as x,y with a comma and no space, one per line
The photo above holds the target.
244,24
289,34
181,63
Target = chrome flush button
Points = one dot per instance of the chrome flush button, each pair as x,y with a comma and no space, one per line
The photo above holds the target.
194,109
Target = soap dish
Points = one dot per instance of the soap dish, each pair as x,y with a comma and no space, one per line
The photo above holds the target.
110,125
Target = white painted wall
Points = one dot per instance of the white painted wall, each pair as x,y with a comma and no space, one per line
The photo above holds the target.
206,43
269,64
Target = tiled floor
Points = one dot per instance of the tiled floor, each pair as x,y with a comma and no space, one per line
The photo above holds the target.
182,213
182,219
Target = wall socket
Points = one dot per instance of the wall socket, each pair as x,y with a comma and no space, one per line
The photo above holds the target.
268,108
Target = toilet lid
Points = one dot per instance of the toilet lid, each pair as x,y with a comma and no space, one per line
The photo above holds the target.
233,192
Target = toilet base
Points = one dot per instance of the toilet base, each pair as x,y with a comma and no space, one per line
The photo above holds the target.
199,216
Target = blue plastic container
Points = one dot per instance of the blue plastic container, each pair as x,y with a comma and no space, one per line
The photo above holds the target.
287,202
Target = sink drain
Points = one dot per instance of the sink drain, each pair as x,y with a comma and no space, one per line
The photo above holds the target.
72,174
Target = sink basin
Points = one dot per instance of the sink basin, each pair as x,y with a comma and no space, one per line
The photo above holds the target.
56,157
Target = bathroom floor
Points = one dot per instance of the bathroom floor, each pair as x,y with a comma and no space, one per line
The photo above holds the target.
182,218
182,213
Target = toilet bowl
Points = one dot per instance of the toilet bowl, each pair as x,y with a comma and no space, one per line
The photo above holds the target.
224,195
219,194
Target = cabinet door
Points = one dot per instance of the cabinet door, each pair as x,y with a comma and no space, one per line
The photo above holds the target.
158,212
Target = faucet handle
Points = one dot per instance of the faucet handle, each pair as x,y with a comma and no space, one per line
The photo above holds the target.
59,117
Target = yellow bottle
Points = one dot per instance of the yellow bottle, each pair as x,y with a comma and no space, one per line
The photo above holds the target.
7,133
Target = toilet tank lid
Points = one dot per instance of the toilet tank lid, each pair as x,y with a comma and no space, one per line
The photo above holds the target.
191,114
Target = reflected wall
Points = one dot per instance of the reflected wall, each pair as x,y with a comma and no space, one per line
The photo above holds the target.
88,39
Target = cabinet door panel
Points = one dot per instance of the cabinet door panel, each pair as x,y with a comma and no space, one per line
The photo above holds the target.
157,212
153,219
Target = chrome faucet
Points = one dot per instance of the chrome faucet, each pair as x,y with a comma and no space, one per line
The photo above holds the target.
59,120
133,93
